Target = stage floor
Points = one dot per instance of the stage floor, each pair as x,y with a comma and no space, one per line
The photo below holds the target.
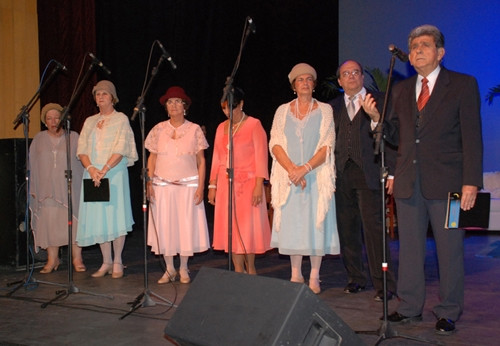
93,313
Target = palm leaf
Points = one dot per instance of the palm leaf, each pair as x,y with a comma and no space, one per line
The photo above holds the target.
495,91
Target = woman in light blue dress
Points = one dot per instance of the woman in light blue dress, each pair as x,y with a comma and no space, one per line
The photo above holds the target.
106,148
303,178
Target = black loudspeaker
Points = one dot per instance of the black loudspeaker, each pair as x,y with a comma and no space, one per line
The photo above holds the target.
226,308
13,195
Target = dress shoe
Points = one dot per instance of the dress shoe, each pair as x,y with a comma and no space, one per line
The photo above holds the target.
117,271
167,277
397,318
106,268
184,274
49,268
297,280
79,266
353,287
445,326
314,285
379,297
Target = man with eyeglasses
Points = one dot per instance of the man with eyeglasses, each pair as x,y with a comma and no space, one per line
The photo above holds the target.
358,194
435,120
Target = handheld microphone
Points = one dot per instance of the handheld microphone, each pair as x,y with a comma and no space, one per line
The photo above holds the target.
398,52
99,63
60,66
251,25
167,56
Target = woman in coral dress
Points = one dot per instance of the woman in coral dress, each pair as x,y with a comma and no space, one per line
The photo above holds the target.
251,232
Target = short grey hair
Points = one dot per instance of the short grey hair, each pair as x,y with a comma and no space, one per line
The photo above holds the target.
427,29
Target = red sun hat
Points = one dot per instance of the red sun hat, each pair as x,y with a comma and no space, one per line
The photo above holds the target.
175,92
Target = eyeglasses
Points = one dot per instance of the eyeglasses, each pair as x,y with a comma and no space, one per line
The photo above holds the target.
175,101
353,73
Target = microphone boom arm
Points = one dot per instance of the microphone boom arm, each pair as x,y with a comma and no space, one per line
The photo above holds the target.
27,108
65,112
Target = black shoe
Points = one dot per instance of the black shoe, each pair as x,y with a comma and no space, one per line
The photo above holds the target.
445,326
353,288
397,318
379,297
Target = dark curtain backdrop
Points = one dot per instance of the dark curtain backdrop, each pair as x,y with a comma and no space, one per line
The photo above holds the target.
203,38
66,32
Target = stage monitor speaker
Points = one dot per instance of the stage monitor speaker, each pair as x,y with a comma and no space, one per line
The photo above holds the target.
226,308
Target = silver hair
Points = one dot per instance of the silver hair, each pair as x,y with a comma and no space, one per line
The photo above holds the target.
427,29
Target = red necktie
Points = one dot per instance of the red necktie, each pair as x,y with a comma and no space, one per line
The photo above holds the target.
424,95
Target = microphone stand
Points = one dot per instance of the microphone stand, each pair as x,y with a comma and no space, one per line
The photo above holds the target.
144,298
66,119
386,331
23,117
228,94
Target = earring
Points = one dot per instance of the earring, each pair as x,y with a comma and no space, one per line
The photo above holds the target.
185,113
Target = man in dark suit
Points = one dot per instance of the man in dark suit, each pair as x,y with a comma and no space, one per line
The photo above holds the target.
435,119
358,194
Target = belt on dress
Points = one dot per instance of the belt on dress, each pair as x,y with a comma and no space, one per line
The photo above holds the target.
188,182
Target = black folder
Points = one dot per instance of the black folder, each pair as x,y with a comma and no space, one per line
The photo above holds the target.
92,193
476,218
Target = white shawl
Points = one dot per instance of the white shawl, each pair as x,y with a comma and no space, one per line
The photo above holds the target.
280,187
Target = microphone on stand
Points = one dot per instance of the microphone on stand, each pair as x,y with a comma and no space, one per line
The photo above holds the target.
138,107
60,66
99,63
166,55
251,25
398,52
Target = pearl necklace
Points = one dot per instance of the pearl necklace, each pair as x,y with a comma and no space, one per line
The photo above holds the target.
299,123
234,131
297,111
239,124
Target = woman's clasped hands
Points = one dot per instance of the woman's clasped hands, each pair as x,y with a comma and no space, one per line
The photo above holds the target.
296,175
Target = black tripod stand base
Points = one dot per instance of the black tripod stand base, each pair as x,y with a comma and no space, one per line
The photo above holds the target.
71,289
386,332
144,300
32,283
19,284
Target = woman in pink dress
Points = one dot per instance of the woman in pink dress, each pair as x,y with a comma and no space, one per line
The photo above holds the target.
251,233
176,175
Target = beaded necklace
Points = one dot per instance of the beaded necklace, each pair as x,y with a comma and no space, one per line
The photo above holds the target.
297,111
238,124
299,123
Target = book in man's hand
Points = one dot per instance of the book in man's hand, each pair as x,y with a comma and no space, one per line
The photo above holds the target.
476,218
92,193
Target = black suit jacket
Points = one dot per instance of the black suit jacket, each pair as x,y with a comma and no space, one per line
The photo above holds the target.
371,163
446,148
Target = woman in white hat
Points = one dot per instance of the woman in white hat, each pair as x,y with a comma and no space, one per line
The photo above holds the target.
106,148
303,178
